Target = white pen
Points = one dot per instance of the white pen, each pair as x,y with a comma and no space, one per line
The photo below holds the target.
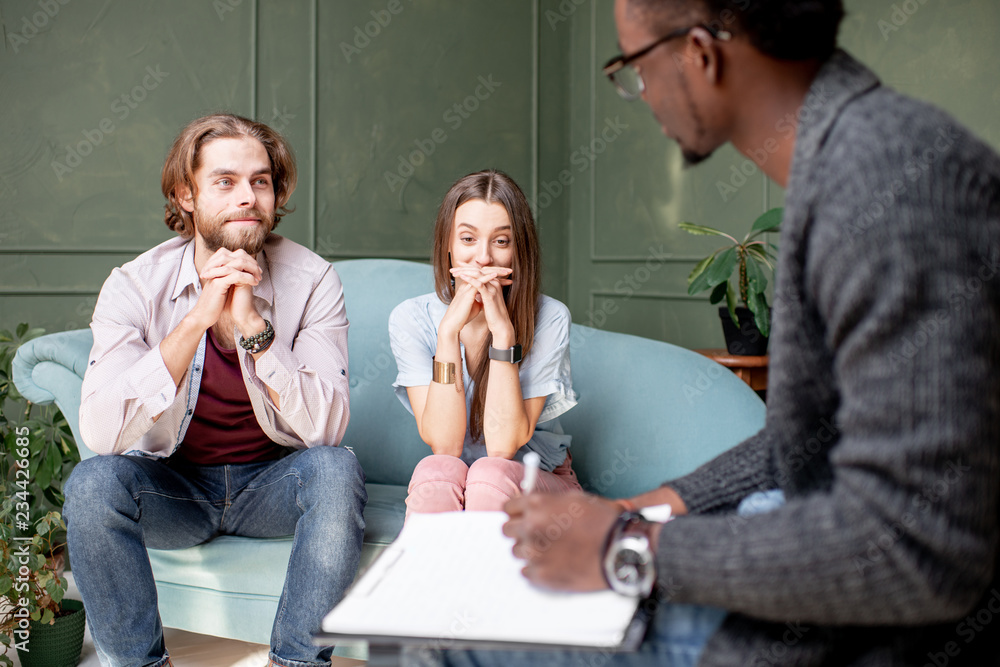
531,461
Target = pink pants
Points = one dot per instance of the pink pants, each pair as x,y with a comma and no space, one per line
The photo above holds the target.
443,483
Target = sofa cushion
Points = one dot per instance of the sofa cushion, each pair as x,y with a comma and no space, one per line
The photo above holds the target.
256,566
381,431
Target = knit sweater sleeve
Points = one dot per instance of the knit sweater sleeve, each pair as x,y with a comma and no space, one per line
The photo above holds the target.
905,531
720,484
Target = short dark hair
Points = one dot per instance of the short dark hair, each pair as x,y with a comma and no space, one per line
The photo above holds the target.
185,158
783,29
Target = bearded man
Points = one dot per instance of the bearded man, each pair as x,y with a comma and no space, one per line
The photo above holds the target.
216,394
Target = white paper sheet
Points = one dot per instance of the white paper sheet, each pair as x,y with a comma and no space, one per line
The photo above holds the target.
452,576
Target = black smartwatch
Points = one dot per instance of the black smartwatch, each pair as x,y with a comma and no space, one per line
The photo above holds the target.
629,565
512,355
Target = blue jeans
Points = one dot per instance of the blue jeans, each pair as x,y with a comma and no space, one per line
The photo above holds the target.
676,635
116,506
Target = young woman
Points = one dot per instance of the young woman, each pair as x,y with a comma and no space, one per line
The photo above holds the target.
484,360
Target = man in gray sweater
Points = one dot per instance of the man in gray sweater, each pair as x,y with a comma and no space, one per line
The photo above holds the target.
883,419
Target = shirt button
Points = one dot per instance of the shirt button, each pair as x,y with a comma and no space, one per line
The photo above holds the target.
190,411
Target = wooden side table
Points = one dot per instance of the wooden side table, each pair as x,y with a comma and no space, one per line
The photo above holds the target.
752,370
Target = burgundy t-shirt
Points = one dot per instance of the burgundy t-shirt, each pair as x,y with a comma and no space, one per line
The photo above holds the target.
224,428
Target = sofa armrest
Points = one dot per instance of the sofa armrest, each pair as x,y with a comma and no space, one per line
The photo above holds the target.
650,411
50,369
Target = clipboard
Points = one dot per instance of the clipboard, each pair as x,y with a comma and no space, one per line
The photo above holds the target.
450,580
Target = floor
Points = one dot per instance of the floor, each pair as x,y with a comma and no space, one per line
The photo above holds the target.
188,649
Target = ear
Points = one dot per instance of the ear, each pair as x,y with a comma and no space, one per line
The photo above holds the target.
704,52
185,198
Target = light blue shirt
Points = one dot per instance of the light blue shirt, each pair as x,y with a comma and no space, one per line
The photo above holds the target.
545,371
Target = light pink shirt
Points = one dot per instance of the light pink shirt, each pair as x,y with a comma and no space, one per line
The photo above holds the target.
127,383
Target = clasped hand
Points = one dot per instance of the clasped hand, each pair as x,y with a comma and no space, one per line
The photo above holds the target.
228,279
480,290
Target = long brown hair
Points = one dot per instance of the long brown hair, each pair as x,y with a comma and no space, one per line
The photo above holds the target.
185,158
493,187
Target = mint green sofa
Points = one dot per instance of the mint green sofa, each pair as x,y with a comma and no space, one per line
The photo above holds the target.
648,411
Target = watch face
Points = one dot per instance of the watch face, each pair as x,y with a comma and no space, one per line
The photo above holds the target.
627,567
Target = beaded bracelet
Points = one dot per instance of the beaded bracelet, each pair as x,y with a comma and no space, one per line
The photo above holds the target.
260,341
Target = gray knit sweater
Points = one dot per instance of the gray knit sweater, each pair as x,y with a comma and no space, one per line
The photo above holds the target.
883,419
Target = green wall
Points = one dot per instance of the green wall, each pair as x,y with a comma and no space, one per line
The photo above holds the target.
629,261
386,103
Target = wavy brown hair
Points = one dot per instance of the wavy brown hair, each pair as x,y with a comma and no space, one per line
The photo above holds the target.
493,187
185,155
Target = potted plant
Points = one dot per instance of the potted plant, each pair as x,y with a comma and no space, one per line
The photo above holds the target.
38,455
746,264
44,627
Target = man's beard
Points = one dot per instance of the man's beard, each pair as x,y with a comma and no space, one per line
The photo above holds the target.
690,155
214,231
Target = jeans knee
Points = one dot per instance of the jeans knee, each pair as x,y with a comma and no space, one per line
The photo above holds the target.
96,482
333,470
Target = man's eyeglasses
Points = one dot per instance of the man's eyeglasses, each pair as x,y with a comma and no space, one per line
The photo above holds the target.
627,81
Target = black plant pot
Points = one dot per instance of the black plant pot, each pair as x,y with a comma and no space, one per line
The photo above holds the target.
745,340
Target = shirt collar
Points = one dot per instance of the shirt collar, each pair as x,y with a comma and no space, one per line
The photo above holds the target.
187,275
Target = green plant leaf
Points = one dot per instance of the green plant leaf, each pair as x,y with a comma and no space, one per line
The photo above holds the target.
731,303
767,221
699,268
722,268
700,281
22,328
719,293
761,314
761,254
702,230
756,279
